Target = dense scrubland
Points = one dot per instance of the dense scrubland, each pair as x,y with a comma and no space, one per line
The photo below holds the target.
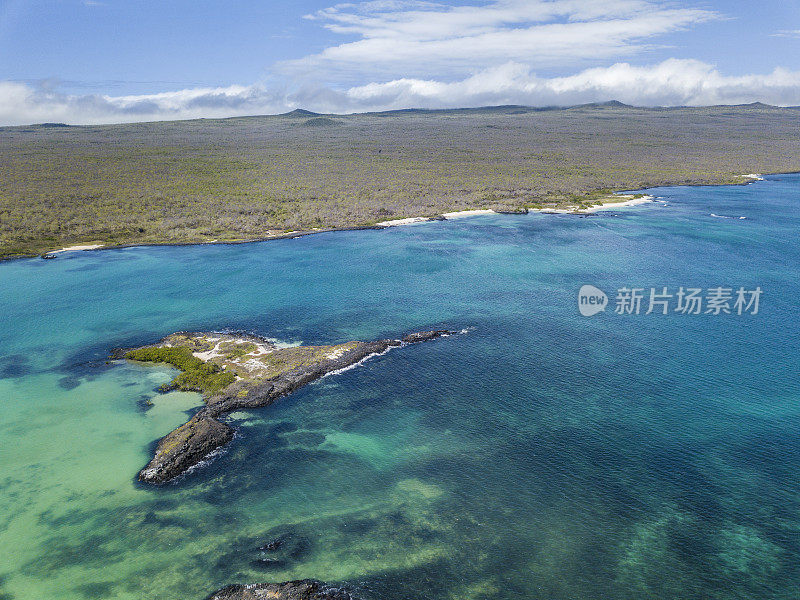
196,375
254,177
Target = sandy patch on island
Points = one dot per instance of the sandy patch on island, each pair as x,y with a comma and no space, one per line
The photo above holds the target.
76,248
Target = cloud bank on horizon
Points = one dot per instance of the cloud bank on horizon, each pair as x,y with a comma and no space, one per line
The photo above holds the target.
421,54
670,83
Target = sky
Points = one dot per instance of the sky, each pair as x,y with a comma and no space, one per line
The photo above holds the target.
108,61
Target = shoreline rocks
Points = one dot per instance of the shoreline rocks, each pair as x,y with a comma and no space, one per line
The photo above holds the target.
306,589
424,336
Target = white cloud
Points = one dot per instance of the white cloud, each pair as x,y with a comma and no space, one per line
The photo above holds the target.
21,103
670,83
790,33
426,38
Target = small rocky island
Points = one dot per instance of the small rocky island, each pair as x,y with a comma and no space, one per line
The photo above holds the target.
236,372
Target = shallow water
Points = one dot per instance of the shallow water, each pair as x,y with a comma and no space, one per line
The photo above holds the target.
540,455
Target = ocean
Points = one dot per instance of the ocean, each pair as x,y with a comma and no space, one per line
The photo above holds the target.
542,454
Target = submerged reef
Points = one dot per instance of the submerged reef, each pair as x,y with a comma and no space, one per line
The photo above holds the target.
236,372
307,589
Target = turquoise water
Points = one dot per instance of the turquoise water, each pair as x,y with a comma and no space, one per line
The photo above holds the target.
541,455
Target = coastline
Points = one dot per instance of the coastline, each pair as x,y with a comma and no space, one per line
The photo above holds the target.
632,200
280,236
51,254
449,216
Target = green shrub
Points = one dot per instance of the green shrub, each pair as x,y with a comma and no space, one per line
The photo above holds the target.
196,375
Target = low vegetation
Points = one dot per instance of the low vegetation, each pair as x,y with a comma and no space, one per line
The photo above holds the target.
286,359
256,177
196,375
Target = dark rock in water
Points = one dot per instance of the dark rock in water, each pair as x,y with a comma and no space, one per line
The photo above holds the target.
256,384
48,256
266,562
307,589
424,336
185,447
271,546
289,544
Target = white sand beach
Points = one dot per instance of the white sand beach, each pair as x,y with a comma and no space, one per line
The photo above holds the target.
467,213
632,201
450,215
408,221
77,248
624,201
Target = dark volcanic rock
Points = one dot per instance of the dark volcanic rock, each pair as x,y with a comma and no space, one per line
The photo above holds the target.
306,589
271,546
286,542
424,336
185,447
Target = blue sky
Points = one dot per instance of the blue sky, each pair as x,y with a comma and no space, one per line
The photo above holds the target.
111,60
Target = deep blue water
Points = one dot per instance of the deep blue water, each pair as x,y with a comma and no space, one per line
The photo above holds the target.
541,455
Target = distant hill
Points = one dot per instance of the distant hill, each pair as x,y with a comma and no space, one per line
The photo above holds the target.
521,109
609,104
47,126
754,105
509,109
300,112
40,126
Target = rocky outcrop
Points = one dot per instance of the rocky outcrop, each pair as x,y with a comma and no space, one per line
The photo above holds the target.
307,589
511,211
424,336
264,373
185,447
